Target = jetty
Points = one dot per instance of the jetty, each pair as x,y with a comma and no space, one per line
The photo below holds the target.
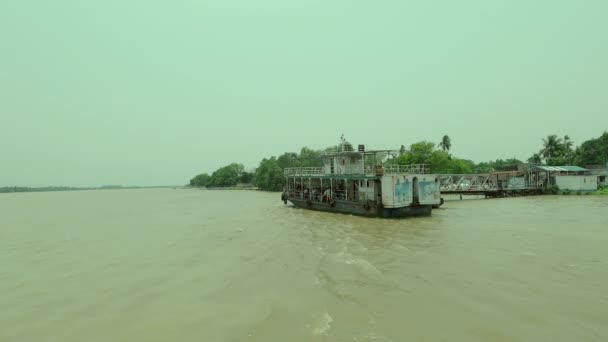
527,180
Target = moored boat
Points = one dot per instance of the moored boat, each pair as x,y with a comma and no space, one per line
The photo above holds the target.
363,183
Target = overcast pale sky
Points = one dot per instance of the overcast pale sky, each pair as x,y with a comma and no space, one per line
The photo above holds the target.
149,92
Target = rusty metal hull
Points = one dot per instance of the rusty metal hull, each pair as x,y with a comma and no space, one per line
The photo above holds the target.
360,209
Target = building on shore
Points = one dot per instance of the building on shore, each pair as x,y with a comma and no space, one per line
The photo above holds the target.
601,171
568,177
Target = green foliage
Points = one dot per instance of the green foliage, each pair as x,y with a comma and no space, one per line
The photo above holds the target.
553,190
269,175
445,143
602,191
556,151
226,176
498,165
593,151
309,158
246,177
440,161
535,159
200,180
418,153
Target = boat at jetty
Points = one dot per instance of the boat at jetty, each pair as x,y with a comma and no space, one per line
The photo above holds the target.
363,183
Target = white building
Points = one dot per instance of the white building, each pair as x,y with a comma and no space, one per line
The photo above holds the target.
568,177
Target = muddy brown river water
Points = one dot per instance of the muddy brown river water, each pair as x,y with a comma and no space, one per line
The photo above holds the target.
193,265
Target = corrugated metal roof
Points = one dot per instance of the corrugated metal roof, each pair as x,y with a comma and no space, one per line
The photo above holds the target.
565,168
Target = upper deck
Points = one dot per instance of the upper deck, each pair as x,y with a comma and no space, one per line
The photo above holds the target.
348,162
367,171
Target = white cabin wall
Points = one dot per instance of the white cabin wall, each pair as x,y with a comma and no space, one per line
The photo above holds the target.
366,192
388,192
344,165
341,165
576,183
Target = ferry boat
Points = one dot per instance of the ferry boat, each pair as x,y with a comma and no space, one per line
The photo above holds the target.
363,183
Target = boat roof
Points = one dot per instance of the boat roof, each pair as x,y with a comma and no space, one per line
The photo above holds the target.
355,152
565,168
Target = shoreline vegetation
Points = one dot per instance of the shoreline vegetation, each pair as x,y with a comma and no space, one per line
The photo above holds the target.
16,189
601,192
268,175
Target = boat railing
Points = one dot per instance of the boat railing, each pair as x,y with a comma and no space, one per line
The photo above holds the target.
303,171
412,168
320,171
357,170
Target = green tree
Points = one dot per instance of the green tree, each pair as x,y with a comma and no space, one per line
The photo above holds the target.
445,143
593,151
484,167
460,166
552,147
418,153
439,161
310,158
226,176
497,165
535,159
557,151
568,152
246,177
200,180
269,175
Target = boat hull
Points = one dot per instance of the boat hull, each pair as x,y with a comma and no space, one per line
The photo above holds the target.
361,209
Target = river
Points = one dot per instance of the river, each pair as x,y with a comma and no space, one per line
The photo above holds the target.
196,265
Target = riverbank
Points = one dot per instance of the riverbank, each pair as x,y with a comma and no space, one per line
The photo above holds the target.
601,192
237,187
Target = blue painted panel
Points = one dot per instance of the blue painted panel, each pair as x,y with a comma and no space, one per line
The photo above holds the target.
402,191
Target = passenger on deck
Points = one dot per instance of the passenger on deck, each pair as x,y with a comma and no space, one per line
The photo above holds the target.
326,195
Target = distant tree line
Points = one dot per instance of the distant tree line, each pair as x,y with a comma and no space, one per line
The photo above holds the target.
268,175
8,189
558,151
226,176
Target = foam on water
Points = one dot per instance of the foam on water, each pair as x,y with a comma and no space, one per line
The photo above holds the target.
323,324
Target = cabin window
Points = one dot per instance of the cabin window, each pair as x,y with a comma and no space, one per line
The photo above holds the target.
342,160
367,183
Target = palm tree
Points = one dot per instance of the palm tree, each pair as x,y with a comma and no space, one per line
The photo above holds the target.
445,143
568,152
551,146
